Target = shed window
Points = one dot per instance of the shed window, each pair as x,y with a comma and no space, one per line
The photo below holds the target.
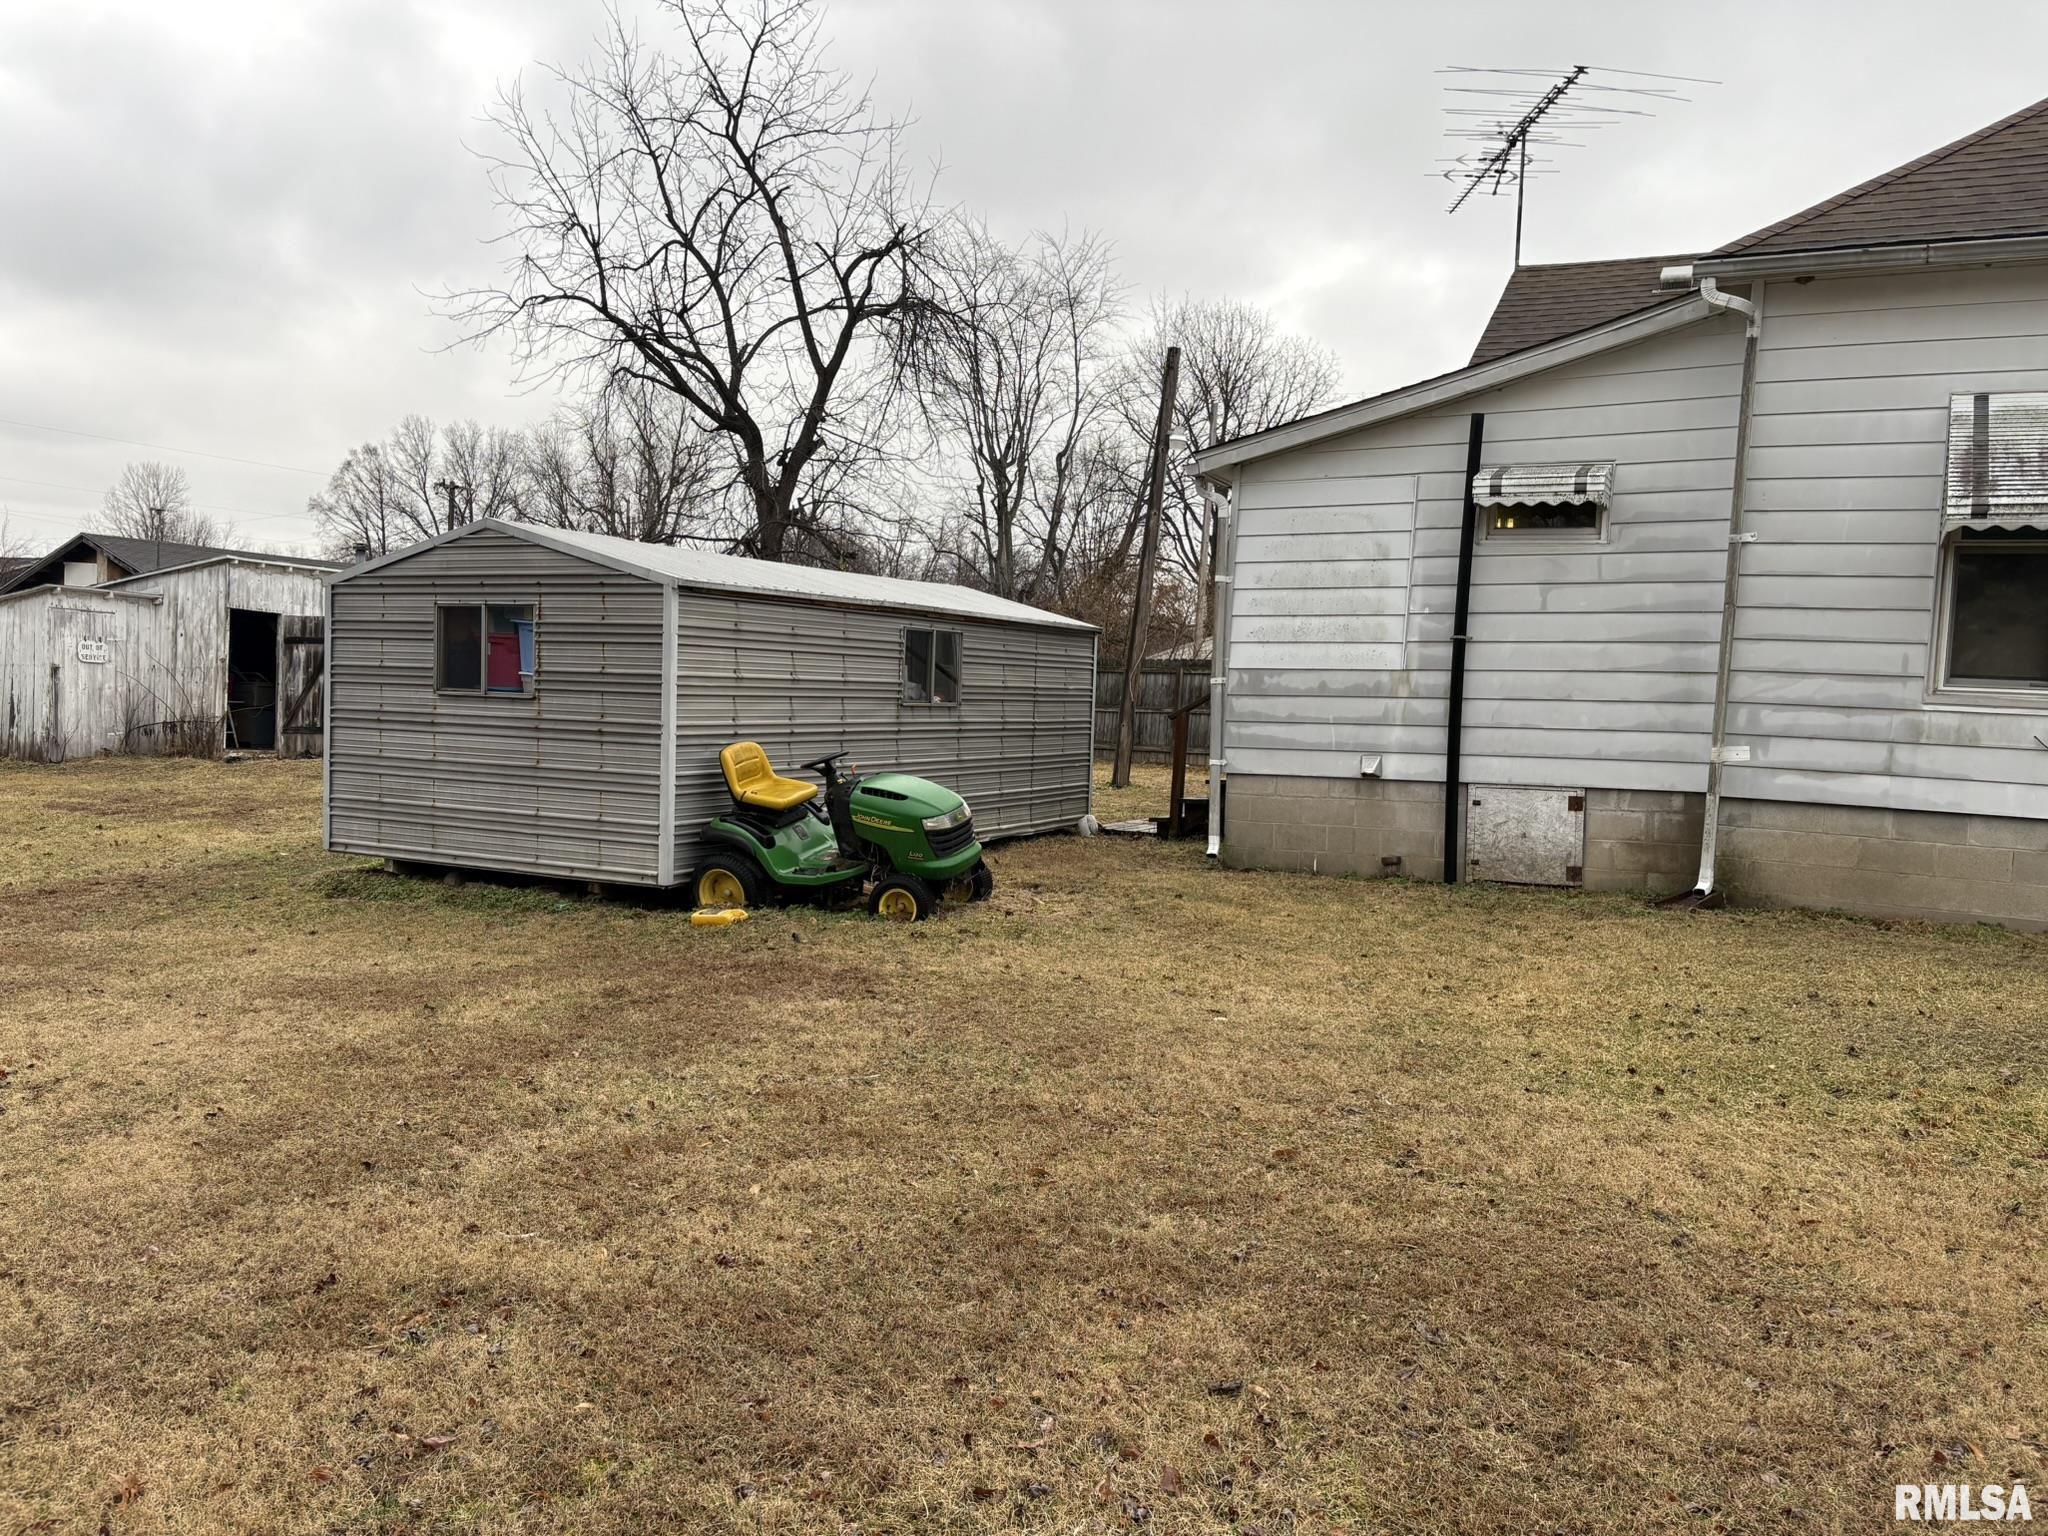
484,648
1997,597
1544,498
931,666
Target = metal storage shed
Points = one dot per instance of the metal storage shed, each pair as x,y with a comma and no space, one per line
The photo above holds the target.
512,697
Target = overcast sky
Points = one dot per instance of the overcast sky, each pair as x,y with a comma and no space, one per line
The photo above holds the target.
220,217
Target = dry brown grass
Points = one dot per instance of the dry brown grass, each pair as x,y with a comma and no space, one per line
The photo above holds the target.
1148,1193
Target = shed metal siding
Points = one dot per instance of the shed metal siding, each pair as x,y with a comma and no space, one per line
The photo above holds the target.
1848,447
1591,663
566,782
805,679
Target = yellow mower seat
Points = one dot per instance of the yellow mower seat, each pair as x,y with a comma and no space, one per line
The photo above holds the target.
754,781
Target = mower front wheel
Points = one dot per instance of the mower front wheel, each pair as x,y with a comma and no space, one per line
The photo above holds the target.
902,899
978,884
727,880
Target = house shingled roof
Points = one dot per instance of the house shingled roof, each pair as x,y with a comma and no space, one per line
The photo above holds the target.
1988,184
1542,303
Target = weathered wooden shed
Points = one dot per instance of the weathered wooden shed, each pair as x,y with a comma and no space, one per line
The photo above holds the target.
220,653
510,697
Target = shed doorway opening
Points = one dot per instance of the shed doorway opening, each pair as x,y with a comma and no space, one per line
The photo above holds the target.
252,680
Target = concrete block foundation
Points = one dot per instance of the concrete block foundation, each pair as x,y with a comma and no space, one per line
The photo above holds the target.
1914,864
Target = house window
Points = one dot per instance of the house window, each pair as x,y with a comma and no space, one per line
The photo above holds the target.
1997,600
931,666
1544,500
1544,517
484,648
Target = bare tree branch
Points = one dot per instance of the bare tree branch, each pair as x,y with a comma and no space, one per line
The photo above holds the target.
731,224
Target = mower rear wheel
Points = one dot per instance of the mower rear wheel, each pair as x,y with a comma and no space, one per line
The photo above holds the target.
726,880
978,884
902,899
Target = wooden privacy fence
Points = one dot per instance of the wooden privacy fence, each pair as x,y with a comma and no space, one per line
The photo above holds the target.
1163,687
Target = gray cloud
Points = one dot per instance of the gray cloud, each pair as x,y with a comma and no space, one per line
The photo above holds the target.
220,217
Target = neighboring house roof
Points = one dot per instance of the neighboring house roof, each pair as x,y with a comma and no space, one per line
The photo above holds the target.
138,557
1542,303
703,571
1991,184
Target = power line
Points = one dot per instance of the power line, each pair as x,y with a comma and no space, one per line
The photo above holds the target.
205,506
196,453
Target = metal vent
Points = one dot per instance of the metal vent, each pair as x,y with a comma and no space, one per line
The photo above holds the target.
1997,461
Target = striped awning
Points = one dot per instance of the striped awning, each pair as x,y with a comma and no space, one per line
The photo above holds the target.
1522,485
1997,461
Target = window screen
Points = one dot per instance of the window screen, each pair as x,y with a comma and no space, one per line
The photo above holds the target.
1998,610
1579,517
945,666
460,667
917,666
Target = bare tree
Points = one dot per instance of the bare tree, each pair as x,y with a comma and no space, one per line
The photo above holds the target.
631,463
421,481
154,501
360,509
1239,374
732,224
1011,378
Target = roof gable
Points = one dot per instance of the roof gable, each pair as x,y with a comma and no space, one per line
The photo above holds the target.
1990,184
1542,303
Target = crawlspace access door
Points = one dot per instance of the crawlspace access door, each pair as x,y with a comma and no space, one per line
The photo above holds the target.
1525,836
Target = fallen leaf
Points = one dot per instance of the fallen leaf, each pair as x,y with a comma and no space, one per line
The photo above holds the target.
1209,1439
1225,1388
1169,1480
436,1442
1044,1436
322,1474
981,1495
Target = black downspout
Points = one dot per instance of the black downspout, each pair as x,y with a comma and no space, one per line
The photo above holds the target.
1454,714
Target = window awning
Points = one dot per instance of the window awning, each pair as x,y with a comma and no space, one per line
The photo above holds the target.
1997,461
1522,485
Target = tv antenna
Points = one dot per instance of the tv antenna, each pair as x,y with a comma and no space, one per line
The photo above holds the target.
1544,107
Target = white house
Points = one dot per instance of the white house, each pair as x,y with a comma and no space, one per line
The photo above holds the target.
1725,572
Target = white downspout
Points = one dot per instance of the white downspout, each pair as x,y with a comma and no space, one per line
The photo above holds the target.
1219,627
1710,828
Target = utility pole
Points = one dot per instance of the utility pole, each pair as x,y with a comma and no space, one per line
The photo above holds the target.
448,488
156,528
1148,558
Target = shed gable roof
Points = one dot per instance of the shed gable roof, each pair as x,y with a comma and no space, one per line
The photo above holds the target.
703,571
1989,184
1542,303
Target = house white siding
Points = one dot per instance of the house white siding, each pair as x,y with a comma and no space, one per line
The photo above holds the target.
1590,664
1834,643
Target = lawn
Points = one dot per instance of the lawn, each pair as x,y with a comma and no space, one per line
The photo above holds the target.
1147,1196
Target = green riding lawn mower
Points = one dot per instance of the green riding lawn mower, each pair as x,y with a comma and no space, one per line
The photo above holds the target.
905,842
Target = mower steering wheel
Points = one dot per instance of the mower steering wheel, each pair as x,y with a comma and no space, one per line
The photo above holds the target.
822,766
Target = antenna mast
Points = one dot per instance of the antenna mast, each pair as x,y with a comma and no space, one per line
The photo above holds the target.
1548,113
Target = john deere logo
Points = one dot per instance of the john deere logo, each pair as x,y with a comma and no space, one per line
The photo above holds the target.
874,821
